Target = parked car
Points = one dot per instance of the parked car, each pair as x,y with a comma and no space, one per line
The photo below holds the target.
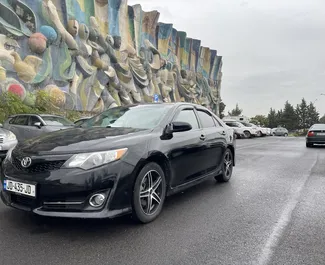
7,141
240,130
81,121
280,131
119,162
315,135
254,129
26,126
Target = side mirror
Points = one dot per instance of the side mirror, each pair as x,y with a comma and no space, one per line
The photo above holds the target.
38,125
175,127
179,126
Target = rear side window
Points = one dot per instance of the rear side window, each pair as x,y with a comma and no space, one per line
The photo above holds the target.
188,115
206,119
21,120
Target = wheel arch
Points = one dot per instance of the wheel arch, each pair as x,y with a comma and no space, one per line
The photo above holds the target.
158,158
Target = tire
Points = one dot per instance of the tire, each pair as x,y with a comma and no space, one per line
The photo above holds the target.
309,145
227,167
258,134
285,135
247,134
151,185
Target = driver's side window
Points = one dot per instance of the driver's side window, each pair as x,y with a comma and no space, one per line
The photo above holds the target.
188,115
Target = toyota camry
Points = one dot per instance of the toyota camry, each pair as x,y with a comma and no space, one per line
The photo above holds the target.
125,160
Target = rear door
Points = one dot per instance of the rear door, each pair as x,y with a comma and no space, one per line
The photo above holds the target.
19,126
186,149
215,142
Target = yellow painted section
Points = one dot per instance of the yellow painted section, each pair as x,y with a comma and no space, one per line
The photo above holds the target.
163,46
82,4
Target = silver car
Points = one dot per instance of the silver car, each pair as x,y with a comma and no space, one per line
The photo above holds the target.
26,126
7,141
280,131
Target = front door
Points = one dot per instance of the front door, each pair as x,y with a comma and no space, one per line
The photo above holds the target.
186,152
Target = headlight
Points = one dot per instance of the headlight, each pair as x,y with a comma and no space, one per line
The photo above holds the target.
11,136
91,160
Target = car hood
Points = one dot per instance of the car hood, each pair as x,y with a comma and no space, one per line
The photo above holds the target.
78,140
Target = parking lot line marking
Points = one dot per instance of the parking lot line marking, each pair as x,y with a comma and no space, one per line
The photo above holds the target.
283,222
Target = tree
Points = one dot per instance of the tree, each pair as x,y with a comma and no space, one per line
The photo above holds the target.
222,107
260,120
322,119
236,111
279,118
272,119
289,117
302,112
313,115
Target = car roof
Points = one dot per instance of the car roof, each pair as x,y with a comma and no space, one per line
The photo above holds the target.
34,114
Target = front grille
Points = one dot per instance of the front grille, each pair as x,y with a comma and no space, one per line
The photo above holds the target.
22,200
40,167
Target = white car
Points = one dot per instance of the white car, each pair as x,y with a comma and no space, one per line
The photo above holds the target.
256,131
240,130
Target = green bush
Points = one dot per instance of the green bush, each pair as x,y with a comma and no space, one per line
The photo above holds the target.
11,104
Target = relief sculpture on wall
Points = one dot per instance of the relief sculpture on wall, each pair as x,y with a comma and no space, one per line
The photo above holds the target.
90,55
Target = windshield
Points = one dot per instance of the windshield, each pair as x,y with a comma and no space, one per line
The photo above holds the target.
318,127
137,117
56,121
247,124
234,124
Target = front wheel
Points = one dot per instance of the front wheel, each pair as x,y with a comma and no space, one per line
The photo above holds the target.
228,164
285,135
247,134
149,193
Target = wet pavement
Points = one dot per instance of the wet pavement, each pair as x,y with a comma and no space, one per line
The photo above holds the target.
272,212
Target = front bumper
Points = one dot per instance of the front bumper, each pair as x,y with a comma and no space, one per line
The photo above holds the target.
66,192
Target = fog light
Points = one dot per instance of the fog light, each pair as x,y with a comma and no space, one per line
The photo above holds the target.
97,200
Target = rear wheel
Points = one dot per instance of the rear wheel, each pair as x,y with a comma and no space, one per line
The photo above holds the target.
149,193
285,135
258,134
228,164
309,145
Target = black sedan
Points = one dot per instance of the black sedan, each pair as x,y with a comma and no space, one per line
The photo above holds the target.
125,160
315,135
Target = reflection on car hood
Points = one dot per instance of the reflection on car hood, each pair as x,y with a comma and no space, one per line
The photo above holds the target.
4,132
78,140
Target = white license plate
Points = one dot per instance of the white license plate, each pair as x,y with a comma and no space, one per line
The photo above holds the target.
21,188
320,133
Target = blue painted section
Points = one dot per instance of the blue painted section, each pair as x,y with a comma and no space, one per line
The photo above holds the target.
113,16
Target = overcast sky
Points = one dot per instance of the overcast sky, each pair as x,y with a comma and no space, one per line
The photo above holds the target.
273,50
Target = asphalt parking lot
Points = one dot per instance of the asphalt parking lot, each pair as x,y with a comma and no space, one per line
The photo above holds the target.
271,212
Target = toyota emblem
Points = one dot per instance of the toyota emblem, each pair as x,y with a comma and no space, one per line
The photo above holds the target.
26,162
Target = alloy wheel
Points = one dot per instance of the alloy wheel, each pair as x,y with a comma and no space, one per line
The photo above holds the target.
151,191
228,165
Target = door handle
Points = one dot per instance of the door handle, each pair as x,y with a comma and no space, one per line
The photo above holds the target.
202,137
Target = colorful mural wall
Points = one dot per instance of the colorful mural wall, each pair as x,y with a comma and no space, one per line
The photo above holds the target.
90,55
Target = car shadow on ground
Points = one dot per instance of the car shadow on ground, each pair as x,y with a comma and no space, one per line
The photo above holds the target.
75,228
